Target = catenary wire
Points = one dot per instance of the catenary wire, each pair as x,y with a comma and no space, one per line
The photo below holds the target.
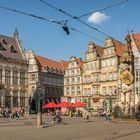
79,20
49,20
86,14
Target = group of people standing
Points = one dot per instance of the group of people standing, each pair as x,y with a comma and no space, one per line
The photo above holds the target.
12,113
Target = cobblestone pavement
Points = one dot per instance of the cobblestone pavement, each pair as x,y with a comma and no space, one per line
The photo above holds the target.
72,128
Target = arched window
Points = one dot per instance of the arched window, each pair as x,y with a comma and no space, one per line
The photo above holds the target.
15,98
22,99
7,99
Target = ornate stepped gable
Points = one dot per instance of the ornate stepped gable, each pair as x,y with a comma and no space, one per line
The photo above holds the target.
119,46
137,40
94,47
78,61
53,66
9,48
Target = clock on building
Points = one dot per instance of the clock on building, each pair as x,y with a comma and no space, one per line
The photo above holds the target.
126,77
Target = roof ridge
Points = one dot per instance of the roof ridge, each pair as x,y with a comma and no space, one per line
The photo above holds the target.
47,58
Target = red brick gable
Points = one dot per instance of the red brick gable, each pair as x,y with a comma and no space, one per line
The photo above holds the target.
99,50
120,47
6,43
80,63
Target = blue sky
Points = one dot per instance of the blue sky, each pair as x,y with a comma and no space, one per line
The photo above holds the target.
49,40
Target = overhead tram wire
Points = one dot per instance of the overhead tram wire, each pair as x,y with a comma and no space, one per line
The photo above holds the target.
48,20
102,9
31,15
86,14
78,18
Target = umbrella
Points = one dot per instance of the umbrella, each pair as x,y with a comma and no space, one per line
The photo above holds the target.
64,104
79,104
50,105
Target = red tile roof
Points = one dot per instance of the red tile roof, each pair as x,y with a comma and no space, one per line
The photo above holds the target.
120,47
44,62
6,52
80,63
137,40
99,50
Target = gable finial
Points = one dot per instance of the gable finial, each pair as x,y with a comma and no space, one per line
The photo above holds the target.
16,34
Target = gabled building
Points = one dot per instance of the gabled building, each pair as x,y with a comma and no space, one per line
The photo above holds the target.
51,75
13,73
91,75
135,44
73,81
109,72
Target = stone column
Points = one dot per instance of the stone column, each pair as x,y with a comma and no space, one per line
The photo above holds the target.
3,75
11,74
18,77
19,98
2,98
11,93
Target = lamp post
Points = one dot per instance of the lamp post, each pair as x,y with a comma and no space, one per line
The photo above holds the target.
38,99
89,103
110,102
105,104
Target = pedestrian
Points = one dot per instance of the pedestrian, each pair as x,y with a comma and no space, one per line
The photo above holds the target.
108,115
57,118
86,115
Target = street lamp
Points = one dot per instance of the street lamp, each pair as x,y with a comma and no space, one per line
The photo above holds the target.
110,102
88,102
38,99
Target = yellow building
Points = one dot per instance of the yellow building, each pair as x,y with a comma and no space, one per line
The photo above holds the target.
109,72
73,81
91,75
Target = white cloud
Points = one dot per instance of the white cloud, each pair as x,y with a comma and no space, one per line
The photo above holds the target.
98,17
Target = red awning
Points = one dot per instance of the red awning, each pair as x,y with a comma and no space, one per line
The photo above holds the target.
64,104
79,104
50,105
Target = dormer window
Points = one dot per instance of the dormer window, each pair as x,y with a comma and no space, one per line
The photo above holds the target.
4,41
1,47
12,49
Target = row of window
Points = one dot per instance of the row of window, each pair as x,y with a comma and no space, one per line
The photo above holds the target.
72,80
8,99
94,78
88,79
109,51
110,90
109,76
33,77
72,90
90,56
91,66
73,72
14,77
95,90
109,62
